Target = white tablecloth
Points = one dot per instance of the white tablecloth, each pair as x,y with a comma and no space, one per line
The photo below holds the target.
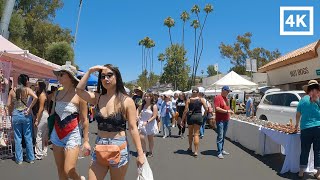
250,136
291,144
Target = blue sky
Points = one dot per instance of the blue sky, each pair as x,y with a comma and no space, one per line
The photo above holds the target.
109,30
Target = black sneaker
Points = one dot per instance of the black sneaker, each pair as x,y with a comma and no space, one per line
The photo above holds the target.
149,155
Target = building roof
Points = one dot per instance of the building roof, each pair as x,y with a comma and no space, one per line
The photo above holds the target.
305,53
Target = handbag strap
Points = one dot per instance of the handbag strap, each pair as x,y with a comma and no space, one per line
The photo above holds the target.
54,104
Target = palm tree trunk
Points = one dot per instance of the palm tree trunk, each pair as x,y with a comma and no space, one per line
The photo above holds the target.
183,33
161,68
152,61
195,57
142,61
201,37
170,36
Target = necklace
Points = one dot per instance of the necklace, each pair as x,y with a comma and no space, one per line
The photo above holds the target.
64,95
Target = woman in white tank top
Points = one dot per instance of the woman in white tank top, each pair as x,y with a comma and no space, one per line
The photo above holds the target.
147,124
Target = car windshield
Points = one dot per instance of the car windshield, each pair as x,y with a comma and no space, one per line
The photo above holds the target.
302,94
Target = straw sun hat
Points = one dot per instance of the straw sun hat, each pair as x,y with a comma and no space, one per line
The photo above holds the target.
310,83
68,68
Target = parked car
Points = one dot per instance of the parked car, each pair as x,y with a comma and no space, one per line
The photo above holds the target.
279,106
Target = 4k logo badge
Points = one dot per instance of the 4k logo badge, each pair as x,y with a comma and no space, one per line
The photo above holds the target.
296,20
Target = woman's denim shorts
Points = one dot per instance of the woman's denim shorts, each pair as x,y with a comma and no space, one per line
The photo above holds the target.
124,159
72,140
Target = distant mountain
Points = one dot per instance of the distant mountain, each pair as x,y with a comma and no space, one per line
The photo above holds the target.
132,82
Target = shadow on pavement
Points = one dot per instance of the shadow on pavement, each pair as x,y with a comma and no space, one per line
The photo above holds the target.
182,152
274,161
209,153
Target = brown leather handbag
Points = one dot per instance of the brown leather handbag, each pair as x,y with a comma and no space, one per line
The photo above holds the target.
108,154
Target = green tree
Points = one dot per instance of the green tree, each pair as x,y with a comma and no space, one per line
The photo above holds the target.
184,17
241,50
211,71
176,70
32,28
153,79
60,52
17,28
161,58
39,9
2,4
143,80
169,22
199,47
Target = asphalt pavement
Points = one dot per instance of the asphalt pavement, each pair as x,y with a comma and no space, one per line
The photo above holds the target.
170,162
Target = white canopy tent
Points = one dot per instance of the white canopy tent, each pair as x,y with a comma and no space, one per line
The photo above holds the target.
169,92
234,81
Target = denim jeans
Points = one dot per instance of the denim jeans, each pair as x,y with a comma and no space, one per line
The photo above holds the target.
166,124
222,127
203,126
310,136
22,127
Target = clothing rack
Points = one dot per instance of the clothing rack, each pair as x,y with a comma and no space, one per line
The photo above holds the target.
6,133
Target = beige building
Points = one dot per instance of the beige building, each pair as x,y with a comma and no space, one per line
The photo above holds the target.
293,70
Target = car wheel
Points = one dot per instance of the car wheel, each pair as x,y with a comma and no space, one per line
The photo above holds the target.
263,117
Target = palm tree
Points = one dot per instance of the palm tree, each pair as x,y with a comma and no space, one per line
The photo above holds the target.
141,43
161,58
184,17
208,9
195,9
169,22
195,25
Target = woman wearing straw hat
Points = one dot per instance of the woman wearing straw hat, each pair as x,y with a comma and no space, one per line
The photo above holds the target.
69,110
308,117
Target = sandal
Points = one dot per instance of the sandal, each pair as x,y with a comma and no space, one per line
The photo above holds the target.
195,155
189,151
315,176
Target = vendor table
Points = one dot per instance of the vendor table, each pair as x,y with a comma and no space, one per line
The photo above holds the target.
291,144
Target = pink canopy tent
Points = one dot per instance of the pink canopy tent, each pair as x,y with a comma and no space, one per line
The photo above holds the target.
24,62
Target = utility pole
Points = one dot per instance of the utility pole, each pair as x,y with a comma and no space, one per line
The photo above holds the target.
6,17
75,35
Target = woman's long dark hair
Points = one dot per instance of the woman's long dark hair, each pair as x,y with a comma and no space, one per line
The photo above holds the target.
151,102
41,89
22,83
121,93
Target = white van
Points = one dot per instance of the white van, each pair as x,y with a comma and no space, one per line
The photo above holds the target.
279,106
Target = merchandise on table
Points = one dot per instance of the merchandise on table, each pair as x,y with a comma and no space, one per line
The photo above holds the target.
285,128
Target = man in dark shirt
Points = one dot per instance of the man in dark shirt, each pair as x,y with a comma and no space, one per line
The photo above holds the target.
223,112
137,98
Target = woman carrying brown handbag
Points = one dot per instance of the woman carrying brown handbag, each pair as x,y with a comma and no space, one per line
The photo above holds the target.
114,109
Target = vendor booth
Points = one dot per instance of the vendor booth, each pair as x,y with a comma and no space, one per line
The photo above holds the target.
13,62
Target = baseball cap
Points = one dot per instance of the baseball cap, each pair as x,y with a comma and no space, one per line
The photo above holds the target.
226,88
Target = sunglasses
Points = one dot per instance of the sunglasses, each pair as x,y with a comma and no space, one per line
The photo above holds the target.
60,74
107,76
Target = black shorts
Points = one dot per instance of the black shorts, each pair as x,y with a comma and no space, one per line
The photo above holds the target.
195,118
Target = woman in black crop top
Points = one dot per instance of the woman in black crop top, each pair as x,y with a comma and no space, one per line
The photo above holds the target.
193,115
114,109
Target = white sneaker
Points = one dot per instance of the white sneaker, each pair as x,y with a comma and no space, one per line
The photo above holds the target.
164,136
225,153
220,156
173,126
83,178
